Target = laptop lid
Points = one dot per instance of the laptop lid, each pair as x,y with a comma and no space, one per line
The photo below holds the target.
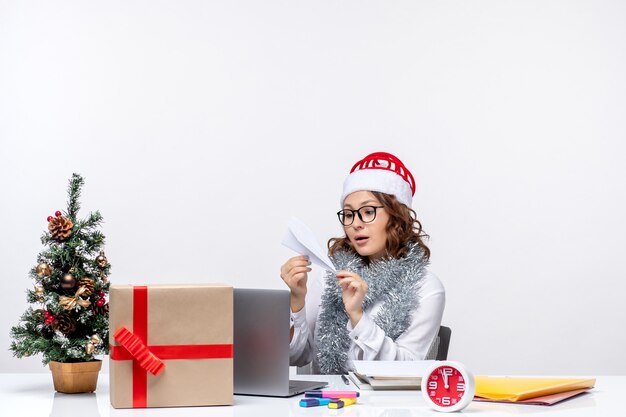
261,344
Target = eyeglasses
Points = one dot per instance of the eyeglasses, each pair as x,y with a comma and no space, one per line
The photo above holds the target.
367,214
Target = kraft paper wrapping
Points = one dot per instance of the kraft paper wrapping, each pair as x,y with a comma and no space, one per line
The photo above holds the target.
177,315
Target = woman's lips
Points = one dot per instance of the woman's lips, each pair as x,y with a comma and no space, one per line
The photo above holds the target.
361,241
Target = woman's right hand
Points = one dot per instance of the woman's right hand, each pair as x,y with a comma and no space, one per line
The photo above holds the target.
294,273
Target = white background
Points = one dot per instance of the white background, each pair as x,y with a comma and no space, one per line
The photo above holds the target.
202,126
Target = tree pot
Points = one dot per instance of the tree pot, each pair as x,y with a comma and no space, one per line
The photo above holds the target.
72,378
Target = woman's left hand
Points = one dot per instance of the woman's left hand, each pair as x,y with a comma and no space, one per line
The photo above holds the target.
353,293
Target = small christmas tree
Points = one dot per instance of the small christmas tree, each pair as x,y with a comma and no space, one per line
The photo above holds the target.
70,285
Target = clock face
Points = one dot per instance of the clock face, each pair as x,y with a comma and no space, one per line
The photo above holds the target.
448,386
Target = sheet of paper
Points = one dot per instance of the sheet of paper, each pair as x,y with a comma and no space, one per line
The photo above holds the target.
360,383
302,240
392,368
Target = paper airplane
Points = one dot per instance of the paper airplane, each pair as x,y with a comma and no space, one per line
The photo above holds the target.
302,240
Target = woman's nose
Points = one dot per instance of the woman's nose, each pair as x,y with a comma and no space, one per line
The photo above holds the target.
357,223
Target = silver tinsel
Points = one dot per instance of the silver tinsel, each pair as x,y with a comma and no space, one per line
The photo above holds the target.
395,282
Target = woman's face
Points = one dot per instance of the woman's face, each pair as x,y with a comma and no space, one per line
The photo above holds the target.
369,239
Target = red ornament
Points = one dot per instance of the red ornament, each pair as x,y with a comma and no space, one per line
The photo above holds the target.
49,320
100,302
57,213
49,218
46,314
101,293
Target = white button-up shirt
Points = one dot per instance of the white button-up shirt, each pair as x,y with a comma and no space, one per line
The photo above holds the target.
368,340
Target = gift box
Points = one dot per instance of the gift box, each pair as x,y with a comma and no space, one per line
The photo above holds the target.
171,345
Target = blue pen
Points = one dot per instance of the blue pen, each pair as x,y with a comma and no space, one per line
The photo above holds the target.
314,402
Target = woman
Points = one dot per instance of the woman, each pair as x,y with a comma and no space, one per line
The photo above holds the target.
383,304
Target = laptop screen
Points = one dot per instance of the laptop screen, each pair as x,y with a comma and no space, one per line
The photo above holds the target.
261,341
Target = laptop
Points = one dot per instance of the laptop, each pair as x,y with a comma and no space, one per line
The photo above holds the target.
261,344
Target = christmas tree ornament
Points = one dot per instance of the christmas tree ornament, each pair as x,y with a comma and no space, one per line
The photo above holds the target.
100,302
68,281
39,289
46,317
88,284
95,339
69,303
100,310
58,213
101,260
43,270
64,323
50,218
101,293
60,228
89,348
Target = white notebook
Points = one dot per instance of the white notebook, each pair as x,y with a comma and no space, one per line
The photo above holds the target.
367,383
389,375
392,368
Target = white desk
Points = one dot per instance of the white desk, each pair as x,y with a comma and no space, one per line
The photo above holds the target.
25,395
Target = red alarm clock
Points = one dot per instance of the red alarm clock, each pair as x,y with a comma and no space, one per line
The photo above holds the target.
448,386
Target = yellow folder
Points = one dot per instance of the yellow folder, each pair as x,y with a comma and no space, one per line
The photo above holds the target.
522,388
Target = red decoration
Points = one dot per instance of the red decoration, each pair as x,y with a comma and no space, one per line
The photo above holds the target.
100,302
101,293
140,352
57,213
46,314
390,163
49,320
49,218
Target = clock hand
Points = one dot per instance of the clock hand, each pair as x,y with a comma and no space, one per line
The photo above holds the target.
445,379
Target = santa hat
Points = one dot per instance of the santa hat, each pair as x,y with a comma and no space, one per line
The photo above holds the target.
382,172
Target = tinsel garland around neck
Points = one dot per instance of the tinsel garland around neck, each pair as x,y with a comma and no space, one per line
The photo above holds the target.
393,281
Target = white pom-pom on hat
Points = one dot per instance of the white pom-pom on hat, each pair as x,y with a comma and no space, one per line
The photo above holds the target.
382,172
